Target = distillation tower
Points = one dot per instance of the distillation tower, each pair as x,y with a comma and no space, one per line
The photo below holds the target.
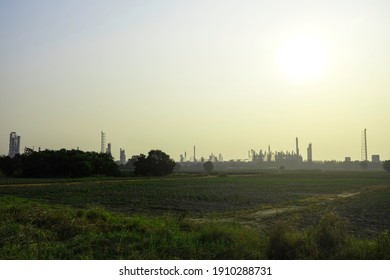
103,142
364,146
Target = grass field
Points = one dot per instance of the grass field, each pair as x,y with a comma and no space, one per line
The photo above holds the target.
252,204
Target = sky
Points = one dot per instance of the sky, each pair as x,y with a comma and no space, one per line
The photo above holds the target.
226,76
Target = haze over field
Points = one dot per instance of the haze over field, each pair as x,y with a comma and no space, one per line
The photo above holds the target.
226,76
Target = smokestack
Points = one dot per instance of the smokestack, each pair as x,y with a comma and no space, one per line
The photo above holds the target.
365,143
296,144
309,153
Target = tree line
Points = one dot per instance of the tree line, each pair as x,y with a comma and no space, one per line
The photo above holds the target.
60,163
75,163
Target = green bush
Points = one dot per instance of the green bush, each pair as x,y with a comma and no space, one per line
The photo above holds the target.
330,234
324,241
287,243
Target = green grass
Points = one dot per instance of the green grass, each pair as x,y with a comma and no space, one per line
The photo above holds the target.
233,197
235,216
328,238
35,230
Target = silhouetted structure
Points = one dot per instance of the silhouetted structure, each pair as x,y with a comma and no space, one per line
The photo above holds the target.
375,158
109,149
122,156
194,154
14,144
103,143
309,154
269,154
364,146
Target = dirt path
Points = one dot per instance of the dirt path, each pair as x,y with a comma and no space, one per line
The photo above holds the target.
253,218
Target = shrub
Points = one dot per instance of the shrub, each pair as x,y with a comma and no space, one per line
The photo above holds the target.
208,166
97,215
326,240
287,243
331,233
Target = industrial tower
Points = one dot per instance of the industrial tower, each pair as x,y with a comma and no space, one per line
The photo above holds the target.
364,145
194,154
122,156
108,151
14,144
103,143
309,153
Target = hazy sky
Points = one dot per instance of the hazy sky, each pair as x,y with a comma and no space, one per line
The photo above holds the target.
226,76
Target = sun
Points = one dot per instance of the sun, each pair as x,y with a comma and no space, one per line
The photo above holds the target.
302,57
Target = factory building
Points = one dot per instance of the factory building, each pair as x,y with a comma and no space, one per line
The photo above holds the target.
375,158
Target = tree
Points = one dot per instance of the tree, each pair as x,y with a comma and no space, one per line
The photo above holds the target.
157,163
10,166
208,166
386,165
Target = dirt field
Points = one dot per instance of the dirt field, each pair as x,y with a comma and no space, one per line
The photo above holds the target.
256,200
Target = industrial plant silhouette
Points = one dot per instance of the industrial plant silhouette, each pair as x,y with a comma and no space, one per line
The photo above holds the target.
256,160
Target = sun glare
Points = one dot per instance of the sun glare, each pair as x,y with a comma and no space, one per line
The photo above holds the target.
302,58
